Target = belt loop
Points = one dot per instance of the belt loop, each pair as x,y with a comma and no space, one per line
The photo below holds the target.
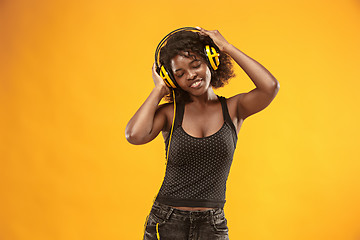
169,213
212,211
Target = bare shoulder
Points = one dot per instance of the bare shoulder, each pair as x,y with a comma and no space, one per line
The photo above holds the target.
235,106
167,110
254,101
233,109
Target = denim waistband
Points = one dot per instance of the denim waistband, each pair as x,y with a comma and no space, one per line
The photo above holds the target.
166,211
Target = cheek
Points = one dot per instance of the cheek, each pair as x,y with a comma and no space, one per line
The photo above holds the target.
205,70
208,73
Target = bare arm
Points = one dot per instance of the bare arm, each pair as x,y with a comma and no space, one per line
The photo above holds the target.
266,89
266,85
150,118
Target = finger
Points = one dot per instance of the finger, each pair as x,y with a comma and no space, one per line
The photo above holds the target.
202,31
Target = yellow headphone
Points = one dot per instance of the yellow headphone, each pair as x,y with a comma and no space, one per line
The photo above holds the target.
212,56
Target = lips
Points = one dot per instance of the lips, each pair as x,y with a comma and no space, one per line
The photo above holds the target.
196,83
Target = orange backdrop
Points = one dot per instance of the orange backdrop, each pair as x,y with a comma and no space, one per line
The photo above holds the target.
74,72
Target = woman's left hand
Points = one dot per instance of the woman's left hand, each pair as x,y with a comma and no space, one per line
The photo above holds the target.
218,39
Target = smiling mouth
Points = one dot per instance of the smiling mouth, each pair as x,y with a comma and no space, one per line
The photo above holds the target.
196,84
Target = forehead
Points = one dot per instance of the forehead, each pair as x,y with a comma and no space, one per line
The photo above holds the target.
184,58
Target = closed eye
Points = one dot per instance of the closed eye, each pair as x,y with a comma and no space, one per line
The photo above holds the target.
196,66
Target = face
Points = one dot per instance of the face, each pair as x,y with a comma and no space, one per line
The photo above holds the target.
191,73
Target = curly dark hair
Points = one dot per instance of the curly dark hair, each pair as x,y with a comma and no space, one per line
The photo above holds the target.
186,42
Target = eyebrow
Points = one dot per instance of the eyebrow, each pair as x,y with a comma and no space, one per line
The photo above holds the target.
189,63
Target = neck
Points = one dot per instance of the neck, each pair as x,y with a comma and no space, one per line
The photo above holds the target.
204,99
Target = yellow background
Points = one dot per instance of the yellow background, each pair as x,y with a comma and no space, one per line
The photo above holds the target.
74,72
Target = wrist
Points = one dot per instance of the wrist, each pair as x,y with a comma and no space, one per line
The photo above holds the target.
227,48
161,91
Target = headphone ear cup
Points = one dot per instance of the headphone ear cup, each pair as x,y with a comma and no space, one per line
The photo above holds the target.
166,76
213,56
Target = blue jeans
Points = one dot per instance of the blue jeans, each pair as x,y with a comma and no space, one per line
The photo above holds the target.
169,223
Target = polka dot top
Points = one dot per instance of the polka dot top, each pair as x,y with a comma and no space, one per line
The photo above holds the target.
198,168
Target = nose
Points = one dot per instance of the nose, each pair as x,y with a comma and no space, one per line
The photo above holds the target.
192,75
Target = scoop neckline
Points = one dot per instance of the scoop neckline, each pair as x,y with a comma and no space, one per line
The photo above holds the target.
203,137
222,111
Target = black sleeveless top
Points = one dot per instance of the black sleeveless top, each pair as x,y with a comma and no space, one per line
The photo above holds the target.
198,168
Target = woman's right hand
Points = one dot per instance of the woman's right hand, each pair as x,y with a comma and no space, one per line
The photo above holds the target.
159,82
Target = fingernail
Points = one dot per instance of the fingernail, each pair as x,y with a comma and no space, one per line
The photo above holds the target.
198,28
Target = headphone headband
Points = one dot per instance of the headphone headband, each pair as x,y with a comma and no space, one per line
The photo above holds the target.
211,53
157,52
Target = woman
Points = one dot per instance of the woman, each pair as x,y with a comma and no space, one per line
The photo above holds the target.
200,132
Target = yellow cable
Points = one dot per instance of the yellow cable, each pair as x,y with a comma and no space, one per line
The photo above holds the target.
157,231
172,127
